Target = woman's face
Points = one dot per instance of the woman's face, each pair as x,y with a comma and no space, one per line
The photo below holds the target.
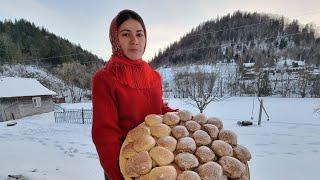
132,39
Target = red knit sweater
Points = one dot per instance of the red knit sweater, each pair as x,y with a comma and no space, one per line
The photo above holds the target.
123,93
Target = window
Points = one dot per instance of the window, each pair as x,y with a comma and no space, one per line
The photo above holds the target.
36,101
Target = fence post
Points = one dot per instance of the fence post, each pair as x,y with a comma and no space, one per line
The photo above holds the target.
260,111
82,116
64,115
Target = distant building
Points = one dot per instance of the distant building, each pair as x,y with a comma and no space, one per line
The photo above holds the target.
248,65
20,97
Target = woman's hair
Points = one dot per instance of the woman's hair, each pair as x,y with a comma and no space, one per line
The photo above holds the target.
128,14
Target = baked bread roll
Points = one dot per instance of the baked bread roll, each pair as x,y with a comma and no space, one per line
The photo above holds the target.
128,151
201,138
228,136
200,118
186,147
167,142
215,121
161,155
137,132
241,153
186,144
189,175
160,130
139,164
204,154
171,118
212,130
163,173
232,167
192,126
179,131
143,177
210,171
224,177
144,143
221,148
185,115
153,120
186,161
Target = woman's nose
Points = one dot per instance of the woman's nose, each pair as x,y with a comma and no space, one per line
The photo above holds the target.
134,40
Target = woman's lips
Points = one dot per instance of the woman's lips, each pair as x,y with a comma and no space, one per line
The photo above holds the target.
133,50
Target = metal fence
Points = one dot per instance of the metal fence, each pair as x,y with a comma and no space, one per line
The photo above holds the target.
78,116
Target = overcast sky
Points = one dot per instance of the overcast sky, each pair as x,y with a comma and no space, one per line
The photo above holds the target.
86,22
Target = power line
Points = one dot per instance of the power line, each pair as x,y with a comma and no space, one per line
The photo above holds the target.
50,65
52,57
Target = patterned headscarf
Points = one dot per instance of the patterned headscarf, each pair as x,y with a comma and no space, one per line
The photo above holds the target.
113,34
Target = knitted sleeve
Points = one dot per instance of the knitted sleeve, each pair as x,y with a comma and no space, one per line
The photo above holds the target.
106,133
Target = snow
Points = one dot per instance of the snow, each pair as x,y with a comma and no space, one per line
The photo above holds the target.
286,147
42,75
82,105
248,65
53,150
15,87
223,69
289,62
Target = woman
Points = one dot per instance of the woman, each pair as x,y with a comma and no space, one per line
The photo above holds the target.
124,91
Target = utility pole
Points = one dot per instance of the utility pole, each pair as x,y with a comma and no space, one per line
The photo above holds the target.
260,112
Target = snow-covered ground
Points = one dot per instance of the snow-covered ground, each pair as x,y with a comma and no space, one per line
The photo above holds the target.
286,147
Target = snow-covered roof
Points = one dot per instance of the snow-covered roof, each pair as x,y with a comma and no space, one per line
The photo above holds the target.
248,65
17,87
289,62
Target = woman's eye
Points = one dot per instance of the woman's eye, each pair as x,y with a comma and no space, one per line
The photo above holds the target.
140,35
125,35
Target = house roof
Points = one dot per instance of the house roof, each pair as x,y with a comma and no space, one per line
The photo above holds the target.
17,87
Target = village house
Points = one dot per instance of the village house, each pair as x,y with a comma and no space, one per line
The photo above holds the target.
20,97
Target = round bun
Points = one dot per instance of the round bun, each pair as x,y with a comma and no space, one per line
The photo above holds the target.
179,132
153,120
160,130
186,144
200,118
232,167
189,175
241,153
137,132
210,170
186,161
144,143
221,148
185,115
215,121
201,138
128,151
167,142
212,130
228,136
162,156
204,154
192,126
140,163
163,172
171,118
